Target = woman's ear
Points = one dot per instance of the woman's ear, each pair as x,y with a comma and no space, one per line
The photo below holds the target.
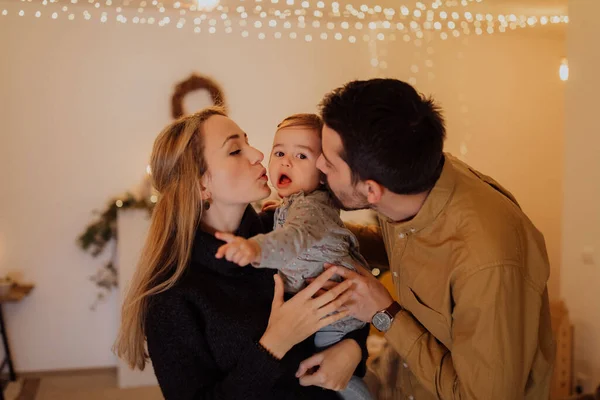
205,187
204,191
205,195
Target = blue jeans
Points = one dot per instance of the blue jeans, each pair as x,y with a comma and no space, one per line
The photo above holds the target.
356,390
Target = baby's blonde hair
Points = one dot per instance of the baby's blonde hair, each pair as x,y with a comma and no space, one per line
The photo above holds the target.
310,121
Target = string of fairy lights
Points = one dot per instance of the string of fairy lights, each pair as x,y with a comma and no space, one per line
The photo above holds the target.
307,20
303,20
413,22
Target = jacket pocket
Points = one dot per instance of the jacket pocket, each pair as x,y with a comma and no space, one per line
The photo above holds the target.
434,321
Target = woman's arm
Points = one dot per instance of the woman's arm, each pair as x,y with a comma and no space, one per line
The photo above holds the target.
184,365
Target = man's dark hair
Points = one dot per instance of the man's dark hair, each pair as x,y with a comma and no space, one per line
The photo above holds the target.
390,133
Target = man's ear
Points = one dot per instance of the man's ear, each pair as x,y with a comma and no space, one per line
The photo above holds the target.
374,191
322,178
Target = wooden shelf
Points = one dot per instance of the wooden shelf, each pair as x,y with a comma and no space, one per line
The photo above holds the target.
17,293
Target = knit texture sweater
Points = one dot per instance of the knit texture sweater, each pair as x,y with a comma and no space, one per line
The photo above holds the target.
203,333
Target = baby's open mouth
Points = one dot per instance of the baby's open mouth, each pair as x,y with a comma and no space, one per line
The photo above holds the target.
283,181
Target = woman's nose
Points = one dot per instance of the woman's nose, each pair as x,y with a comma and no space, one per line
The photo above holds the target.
256,156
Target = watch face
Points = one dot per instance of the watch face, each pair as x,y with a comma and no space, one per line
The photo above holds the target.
382,321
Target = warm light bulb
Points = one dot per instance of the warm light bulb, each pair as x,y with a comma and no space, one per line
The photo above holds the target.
207,4
563,71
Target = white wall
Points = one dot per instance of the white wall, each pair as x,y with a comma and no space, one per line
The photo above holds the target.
133,227
504,106
580,275
81,102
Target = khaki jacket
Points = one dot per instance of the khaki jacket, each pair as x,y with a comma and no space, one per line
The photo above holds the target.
470,270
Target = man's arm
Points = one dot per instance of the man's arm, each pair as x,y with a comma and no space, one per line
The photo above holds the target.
494,338
371,244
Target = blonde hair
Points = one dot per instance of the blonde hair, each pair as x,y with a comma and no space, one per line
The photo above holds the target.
177,165
311,121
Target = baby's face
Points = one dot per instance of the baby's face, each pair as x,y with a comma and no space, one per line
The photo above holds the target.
293,162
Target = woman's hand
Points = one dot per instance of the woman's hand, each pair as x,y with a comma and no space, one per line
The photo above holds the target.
238,250
335,366
296,319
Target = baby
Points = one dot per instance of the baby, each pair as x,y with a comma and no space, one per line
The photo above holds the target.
308,230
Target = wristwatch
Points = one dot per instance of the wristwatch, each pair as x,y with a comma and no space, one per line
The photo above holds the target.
382,320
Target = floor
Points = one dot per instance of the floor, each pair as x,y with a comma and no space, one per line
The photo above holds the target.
94,385
99,385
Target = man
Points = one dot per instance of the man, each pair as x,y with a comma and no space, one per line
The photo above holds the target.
469,268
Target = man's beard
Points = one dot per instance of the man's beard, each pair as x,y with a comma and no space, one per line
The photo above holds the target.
360,202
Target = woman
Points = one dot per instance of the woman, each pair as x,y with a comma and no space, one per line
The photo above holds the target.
215,330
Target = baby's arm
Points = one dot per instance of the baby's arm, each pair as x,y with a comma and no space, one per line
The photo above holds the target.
301,231
237,249
275,249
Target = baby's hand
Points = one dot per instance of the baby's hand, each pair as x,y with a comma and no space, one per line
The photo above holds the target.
270,205
237,249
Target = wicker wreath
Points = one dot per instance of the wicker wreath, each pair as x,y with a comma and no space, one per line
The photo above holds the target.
195,82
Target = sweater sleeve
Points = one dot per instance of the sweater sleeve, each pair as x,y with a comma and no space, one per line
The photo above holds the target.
183,363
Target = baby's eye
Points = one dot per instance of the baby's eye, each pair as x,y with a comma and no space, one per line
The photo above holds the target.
278,154
302,156
235,153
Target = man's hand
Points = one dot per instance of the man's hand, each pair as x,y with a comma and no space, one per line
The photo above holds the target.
334,366
368,294
238,249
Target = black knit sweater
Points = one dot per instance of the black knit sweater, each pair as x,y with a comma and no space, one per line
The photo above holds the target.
202,333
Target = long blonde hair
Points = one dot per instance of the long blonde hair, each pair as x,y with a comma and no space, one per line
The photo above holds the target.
177,165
